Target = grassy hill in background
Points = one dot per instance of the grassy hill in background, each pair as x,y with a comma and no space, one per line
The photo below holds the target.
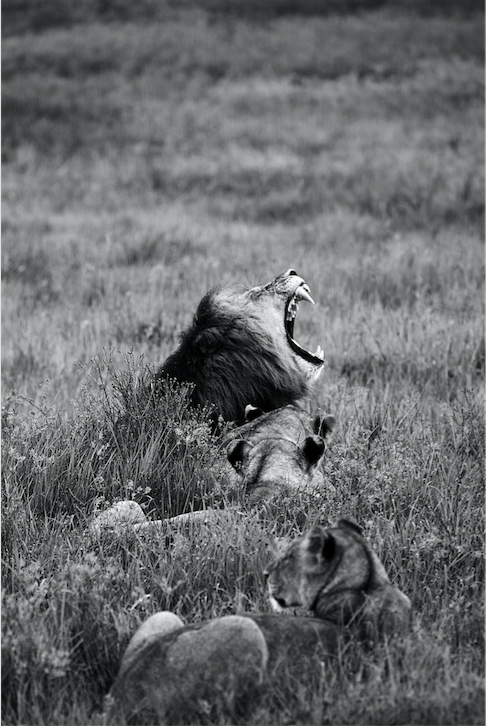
20,16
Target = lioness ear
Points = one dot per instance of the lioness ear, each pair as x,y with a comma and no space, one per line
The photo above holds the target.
320,541
315,539
328,547
313,449
323,425
252,412
235,454
350,523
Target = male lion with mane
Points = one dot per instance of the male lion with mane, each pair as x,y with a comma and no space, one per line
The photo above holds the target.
175,673
241,349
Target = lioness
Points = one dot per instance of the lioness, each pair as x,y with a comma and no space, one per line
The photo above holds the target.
335,574
276,452
273,454
241,348
173,673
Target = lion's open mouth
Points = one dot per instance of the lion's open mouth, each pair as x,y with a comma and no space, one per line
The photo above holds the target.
302,292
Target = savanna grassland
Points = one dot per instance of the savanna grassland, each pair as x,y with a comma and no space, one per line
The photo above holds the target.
148,159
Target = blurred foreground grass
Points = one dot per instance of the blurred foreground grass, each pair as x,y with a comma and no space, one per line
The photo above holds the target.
146,162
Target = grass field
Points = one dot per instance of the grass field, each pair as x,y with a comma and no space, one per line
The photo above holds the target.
144,162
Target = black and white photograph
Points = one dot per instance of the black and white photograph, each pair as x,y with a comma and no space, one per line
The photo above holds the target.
243,363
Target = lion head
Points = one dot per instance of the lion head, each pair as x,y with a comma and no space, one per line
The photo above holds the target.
241,348
276,452
335,574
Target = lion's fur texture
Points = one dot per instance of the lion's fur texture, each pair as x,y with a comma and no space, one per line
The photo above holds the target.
205,668
276,453
216,666
236,351
336,575
176,674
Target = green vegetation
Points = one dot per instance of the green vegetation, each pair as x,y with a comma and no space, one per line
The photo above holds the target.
145,162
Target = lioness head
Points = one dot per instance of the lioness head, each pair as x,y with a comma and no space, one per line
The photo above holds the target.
335,574
241,348
276,452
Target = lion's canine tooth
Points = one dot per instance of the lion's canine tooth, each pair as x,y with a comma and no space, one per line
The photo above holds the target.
303,292
319,353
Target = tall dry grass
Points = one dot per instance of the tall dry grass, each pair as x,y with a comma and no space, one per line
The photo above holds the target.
144,164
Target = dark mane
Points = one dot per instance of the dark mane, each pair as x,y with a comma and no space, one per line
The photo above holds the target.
235,352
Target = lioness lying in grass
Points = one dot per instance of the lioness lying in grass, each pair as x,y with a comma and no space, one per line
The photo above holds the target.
335,574
276,453
273,454
173,672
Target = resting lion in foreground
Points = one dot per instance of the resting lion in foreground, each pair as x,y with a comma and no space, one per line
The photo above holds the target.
173,673
336,575
241,349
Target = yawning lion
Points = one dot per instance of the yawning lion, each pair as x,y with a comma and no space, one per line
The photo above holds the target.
241,349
